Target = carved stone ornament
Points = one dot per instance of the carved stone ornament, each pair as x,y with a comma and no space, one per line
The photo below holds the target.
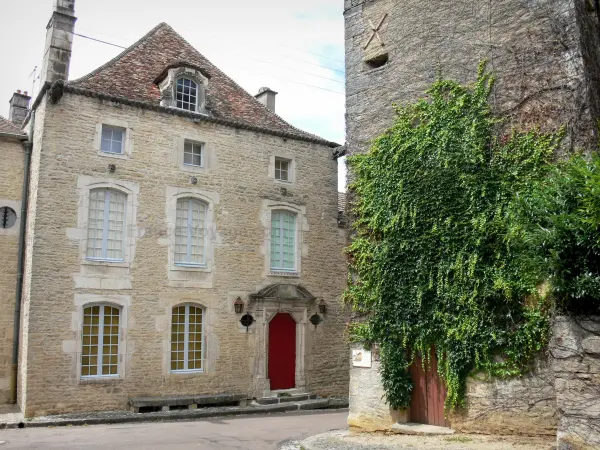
169,83
289,292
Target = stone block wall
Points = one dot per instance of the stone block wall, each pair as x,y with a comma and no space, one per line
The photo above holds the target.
575,351
524,405
237,183
544,53
11,184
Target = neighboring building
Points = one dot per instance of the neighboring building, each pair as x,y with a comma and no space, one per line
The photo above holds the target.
163,198
546,57
11,187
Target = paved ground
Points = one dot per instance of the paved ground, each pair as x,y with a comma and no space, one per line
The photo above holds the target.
248,433
342,440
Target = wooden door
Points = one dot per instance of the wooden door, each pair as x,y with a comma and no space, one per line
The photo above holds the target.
429,393
282,352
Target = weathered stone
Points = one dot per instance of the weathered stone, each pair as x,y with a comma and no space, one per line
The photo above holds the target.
591,344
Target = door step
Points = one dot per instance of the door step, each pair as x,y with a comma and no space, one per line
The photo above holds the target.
285,399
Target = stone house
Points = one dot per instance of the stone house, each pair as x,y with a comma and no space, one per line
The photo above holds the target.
546,57
181,237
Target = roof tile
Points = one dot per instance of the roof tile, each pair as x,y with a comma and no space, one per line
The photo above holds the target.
6,126
133,73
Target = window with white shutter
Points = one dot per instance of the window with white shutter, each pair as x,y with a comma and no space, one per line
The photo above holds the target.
190,232
106,225
283,241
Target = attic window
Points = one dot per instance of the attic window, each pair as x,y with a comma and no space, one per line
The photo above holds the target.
377,61
186,94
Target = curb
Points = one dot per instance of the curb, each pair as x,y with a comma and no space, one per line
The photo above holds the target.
181,415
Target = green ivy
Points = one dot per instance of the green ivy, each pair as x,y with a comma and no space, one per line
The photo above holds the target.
436,256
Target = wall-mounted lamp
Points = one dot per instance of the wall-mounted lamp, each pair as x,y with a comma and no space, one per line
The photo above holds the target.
322,307
315,319
238,305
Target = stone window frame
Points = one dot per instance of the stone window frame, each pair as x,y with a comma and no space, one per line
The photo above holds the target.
127,141
204,309
15,205
168,87
130,189
82,301
182,273
208,153
291,168
301,229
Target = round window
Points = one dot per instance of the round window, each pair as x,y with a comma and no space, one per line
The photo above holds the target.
8,217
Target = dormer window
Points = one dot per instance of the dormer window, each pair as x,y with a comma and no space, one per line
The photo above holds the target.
183,87
187,94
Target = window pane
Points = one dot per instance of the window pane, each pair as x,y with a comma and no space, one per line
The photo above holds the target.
190,230
112,139
99,359
283,241
186,94
186,342
106,224
281,169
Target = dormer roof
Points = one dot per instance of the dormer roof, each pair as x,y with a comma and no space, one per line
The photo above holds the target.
133,75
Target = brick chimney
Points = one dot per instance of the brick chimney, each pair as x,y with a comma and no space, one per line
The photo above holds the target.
59,41
267,97
19,107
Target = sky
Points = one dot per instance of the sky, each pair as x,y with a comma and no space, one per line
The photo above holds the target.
294,47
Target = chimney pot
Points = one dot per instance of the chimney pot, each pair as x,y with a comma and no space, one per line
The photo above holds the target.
19,107
267,97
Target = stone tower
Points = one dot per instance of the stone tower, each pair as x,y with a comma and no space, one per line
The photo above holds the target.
544,53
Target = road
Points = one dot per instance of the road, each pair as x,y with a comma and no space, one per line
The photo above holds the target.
245,432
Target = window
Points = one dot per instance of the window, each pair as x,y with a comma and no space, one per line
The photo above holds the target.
112,139
186,338
106,225
282,169
186,94
283,241
100,341
192,154
190,224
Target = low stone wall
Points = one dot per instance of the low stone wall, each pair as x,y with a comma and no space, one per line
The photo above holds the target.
523,405
575,351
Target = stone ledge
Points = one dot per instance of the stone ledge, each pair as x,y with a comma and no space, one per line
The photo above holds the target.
181,400
419,429
114,417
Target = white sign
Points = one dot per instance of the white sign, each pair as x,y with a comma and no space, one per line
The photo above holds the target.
361,358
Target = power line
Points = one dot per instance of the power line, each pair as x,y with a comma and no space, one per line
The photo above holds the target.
98,40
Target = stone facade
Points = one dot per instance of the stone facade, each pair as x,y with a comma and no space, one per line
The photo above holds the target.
544,54
240,193
575,351
11,185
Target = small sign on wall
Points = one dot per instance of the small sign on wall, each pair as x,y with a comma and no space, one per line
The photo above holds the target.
361,358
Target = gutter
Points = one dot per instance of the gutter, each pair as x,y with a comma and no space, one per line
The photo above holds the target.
27,146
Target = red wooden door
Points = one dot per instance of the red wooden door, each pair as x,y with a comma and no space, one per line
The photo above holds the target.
282,352
429,393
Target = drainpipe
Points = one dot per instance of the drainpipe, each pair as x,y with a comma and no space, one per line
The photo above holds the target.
27,145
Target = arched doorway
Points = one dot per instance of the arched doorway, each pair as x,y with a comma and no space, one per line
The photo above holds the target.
282,352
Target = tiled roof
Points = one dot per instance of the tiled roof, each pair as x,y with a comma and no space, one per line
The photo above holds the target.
7,127
133,73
